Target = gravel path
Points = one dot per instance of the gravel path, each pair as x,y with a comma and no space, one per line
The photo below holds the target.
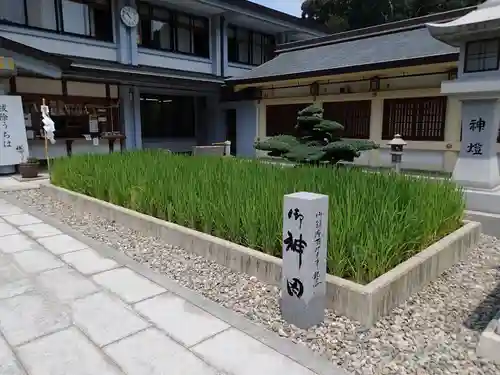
435,332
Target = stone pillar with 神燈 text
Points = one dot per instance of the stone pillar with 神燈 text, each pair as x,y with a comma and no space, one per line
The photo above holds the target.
303,292
477,164
476,83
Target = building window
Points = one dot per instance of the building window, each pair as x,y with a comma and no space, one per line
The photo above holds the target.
167,30
417,119
354,116
90,18
281,119
249,47
482,56
167,116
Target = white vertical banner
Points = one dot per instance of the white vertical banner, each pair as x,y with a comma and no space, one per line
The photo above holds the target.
305,223
13,140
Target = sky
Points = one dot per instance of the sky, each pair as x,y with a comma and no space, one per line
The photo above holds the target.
287,6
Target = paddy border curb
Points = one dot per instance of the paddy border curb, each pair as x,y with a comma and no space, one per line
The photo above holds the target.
364,303
298,353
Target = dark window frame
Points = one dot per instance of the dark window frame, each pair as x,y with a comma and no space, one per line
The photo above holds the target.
168,131
253,36
174,30
412,111
481,56
281,119
59,22
354,116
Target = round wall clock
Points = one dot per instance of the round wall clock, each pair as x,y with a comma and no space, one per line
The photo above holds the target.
129,16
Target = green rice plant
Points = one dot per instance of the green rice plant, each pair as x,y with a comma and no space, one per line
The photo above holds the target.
376,220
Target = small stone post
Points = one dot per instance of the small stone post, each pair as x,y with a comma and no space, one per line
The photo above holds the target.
305,231
227,148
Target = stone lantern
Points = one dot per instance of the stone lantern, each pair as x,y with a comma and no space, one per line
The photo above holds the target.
397,144
477,36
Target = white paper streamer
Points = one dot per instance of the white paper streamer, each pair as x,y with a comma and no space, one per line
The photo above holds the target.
48,124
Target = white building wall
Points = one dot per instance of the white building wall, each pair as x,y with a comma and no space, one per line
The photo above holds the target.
421,155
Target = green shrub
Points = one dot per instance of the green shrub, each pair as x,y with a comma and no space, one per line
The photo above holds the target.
376,220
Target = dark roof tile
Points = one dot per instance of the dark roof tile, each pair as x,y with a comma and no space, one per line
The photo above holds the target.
407,45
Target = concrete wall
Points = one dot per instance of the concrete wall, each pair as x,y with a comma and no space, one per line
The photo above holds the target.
247,122
151,57
172,144
60,44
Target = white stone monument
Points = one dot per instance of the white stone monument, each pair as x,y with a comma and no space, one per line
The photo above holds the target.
7,70
305,232
12,132
477,35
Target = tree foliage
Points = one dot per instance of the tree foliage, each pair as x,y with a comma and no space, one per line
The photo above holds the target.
342,15
317,140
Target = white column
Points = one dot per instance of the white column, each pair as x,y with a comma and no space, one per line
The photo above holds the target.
125,37
452,132
224,49
216,45
376,124
247,118
130,112
305,233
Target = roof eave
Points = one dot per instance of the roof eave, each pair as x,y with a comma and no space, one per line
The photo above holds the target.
386,28
424,60
35,53
296,23
453,33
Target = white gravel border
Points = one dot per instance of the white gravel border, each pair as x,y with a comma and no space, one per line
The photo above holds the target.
434,332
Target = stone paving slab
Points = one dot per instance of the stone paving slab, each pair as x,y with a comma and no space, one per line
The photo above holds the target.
22,219
29,316
15,288
34,261
128,285
151,352
7,229
9,365
61,244
13,183
106,319
9,271
65,284
70,305
40,230
9,209
66,352
88,262
17,242
180,319
239,354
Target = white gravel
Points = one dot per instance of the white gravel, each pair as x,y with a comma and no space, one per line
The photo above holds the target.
434,332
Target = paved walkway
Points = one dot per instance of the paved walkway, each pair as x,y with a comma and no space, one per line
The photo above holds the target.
65,309
14,182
